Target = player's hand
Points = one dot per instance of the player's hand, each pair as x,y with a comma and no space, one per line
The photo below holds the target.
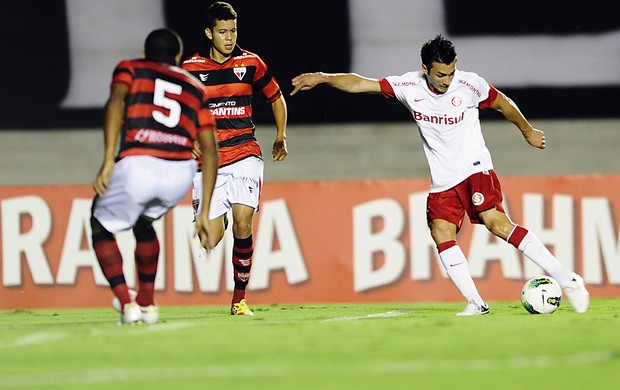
202,230
536,138
100,185
279,151
306,81
196,151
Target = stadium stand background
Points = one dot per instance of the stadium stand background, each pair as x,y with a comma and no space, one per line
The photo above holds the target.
45,140
295,37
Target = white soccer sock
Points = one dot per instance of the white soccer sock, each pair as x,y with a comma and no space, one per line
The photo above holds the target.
534,250
455,263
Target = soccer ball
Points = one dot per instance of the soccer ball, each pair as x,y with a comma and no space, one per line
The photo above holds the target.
541,295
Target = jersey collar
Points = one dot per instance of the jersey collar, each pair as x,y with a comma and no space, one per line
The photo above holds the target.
206,52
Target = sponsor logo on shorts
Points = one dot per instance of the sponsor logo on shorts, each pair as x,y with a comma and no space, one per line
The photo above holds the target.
477,198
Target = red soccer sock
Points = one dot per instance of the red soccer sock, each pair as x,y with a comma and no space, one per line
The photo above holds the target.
147,256
243,249
111,263
238,295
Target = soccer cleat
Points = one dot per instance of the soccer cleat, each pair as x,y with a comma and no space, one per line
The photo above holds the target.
241,309
576,293
474,309
116,304
149,314
131,314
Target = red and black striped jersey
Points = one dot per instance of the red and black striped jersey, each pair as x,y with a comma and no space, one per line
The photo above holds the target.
229,88
165,109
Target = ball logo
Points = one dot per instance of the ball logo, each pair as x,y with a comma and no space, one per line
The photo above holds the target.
456,101
477,198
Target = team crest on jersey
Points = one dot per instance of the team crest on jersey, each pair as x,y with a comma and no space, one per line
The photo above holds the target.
240,72
456,101
477,199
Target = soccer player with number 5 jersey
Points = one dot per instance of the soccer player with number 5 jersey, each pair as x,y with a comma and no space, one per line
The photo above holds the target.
159,114
444,102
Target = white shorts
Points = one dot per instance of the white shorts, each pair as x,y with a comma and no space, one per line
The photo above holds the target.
237,183
142,185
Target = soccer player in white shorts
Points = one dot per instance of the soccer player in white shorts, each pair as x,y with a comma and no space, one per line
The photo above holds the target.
239,183
159,114
231,76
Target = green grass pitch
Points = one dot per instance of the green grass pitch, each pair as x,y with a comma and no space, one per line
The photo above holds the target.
315,346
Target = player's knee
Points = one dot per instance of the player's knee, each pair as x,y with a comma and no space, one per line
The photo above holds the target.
242,228
442,231
143,230
500,227
99,233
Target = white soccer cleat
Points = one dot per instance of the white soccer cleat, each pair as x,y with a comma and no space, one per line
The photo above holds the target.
116,304
474,309
576,293
131,314
150,314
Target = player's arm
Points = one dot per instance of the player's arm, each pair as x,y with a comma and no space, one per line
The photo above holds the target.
210,162
348,82
280,115
511,112
114,112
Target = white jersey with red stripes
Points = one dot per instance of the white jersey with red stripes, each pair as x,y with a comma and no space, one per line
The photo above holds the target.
449,123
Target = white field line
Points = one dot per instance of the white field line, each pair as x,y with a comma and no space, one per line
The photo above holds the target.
278,370
389,314
35,339
40,338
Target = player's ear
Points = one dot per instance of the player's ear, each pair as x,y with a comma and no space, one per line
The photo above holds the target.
209,33
425,69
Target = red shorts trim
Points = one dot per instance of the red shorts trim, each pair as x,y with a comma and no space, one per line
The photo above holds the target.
479,192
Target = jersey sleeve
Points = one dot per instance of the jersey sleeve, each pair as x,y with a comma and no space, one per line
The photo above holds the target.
123,74
386,88
488,102
265,82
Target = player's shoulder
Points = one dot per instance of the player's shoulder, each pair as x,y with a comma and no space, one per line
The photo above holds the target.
471,77
127,63
409,79
470,81
195,60
185,76
246,56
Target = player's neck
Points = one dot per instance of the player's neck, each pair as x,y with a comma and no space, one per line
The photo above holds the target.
217,56
432,89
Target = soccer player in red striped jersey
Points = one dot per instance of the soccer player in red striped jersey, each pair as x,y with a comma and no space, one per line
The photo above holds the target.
231,75
159,114
444,103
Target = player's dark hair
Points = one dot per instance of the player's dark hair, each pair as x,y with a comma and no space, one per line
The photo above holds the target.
220,10
438,49
163,45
